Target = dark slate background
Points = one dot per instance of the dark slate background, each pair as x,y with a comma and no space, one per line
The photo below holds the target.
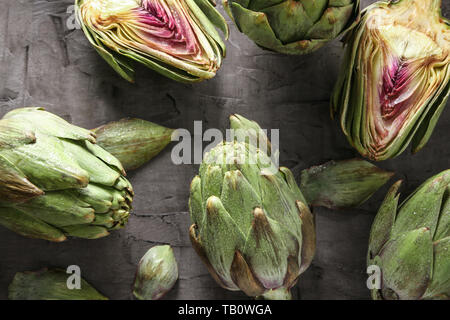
42,63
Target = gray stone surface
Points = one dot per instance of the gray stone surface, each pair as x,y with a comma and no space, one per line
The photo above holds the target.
43,63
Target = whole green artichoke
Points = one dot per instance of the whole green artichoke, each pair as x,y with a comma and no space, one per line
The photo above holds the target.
395,79
156,274
177,38
252,226
293,26
56,182
410,243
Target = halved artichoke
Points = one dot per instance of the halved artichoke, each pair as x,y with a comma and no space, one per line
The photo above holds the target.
395,80
177,38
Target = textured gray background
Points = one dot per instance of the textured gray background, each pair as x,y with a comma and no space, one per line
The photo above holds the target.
44,64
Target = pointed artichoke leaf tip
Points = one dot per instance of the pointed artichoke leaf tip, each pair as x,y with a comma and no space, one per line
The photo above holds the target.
308,249
243,276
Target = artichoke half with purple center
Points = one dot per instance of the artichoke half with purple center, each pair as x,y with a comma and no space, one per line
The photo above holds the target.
293,26
177,38
410,243
395,79
252,226
55,181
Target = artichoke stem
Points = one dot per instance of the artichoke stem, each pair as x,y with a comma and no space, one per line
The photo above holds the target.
277,294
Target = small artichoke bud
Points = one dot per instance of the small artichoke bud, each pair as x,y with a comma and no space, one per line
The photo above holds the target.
157,273
133,141
50,284
342,184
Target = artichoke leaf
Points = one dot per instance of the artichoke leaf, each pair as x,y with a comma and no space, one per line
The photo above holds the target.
439,287
207,6
443,228
49,284
14,185
243,276
407,263
29,226
221,238
384,222
59,209
308,245
86,231
268,262
250,132
49,124
196,209
423,207
239,196
12,134
99,172
46,163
